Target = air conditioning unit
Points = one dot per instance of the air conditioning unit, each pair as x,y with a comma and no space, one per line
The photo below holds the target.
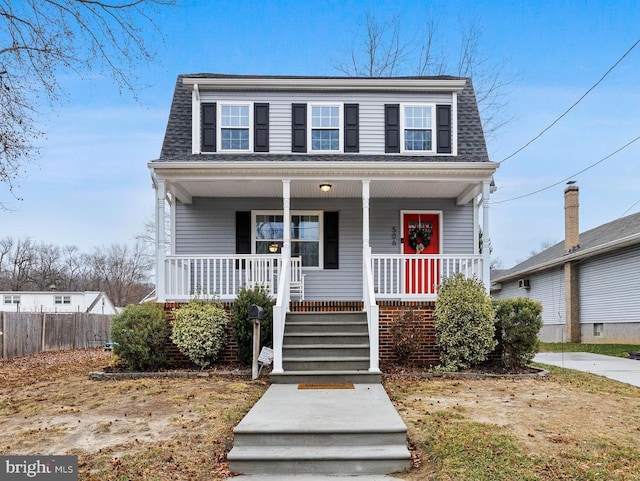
523,283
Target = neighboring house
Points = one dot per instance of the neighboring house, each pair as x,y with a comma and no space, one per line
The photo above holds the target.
589,285
383,182
93,302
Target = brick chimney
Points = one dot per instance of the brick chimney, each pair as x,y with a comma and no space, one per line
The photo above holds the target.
571,218
571,274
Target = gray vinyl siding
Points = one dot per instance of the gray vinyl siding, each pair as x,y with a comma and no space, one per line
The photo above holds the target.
547,287
371,123
610,287
207,227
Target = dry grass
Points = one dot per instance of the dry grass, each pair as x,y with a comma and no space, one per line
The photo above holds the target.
567,426
164,428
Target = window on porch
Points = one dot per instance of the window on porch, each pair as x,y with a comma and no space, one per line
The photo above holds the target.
306,228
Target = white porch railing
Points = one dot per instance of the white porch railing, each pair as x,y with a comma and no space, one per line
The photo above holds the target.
417,276
372,311
219,277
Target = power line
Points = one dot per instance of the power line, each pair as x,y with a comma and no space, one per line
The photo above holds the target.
632,206
572,106
572,175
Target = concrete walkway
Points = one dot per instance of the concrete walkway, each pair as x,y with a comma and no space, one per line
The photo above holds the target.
617,368
352,433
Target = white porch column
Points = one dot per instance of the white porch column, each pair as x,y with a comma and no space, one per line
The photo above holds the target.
281,307
161,193
365,214
486,236
367,284
286,207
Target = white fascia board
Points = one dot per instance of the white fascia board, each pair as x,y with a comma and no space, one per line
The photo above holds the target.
304,83
574,256
459,171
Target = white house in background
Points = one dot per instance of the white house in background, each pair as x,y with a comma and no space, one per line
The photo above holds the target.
589,284
93,302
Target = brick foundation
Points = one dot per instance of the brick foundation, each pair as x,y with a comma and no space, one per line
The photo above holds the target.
428,355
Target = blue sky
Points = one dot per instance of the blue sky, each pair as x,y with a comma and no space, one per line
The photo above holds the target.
91,186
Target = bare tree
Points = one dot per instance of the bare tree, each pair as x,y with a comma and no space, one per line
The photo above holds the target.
378,51
121,270
46,270
74,265
20,264
40,39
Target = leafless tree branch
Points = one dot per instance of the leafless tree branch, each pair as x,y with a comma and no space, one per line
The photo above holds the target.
40,39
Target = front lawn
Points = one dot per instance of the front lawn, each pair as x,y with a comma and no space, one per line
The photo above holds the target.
567,426
617,350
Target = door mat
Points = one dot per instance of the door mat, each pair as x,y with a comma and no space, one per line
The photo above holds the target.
327,386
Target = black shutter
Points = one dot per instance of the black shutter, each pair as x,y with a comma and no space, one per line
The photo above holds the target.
443,122
331,240
351,128
392,128
298,127
261,127
243,232
208,123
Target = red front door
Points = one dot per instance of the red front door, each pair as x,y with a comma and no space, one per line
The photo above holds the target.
421,237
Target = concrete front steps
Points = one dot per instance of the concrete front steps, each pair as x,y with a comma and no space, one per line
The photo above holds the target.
291,431
325,347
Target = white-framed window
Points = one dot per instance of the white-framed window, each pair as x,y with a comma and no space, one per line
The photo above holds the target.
325,132
235,127
306,235
11,299
417,123
62,300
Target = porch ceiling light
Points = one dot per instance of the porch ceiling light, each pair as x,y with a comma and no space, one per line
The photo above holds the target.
325,187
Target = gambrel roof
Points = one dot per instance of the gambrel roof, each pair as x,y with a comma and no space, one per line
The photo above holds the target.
607,237
177,144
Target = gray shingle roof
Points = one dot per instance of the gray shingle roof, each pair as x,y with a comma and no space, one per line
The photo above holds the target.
591,242
177,141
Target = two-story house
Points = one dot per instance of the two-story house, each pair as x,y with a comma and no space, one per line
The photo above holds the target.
333,193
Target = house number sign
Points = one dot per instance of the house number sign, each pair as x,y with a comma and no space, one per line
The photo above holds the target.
394,236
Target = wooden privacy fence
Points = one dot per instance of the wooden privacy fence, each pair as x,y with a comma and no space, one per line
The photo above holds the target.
25,333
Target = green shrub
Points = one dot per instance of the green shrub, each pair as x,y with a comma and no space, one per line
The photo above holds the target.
518,323
242,326
406,337
464,323
140,333
199,331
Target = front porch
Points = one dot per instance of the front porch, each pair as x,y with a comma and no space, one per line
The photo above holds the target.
370,262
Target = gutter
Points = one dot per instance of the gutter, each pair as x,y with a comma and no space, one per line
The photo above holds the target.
324,84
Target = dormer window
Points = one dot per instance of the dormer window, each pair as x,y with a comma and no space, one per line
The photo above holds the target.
417,126
418,129
325,127
235,125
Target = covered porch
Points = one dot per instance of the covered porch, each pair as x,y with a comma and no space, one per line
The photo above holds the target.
385,273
